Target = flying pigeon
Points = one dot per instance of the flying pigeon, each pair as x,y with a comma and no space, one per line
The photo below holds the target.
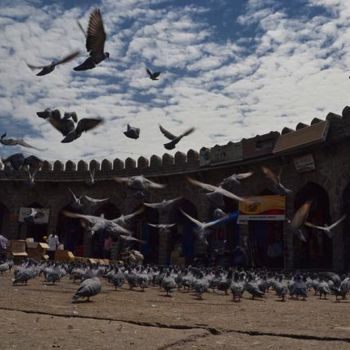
122,219
34,214
83,125
91,180
49,68
16,161
220,190
95,41
132,132
138,183
163,228
202,231
15,142
99,224
32,165
153,76
299,220
327,229
174,139
163,204
236,178
64,125
276,181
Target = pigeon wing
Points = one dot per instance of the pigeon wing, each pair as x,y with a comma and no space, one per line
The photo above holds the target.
68,58
187,132
86,124
121,179
96,35
152,184
270,174
337,222
149,72
25,144
301,215
242,176
94,200
166,133
198,223
156,74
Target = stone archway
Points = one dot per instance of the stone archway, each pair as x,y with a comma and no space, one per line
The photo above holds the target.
71,232
224,237
346,227
265,241
4,217
34,230
183,233
317,251
97,241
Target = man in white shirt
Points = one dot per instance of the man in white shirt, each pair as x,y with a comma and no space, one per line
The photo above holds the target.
53,243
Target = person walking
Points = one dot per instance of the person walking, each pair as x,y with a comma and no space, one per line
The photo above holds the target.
53,243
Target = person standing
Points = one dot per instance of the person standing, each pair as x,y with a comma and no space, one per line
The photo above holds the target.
53,243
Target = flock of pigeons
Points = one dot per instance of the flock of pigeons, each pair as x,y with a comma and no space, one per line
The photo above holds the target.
195,279
69,125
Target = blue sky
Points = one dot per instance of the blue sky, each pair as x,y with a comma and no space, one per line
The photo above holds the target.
231,69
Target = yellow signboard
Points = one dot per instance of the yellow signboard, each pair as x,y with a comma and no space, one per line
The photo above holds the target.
264,208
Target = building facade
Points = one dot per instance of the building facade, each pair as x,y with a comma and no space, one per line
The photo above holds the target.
314,161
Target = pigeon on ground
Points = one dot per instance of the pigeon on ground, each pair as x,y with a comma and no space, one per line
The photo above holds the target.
83,125
16,142
88,288
50,67
154,75
327,229
174,139
168,283
95,41
132,132
279,188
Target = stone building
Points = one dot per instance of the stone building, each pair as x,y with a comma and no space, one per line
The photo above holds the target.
315,164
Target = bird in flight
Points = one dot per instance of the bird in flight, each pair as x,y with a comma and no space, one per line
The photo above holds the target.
83,125
16,142
132,132
95,42
174,139
51,67
154,75
276,179
327,229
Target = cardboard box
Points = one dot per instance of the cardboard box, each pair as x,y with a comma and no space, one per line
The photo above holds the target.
18,248
64,255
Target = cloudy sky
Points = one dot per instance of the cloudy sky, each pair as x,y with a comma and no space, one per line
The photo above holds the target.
231,69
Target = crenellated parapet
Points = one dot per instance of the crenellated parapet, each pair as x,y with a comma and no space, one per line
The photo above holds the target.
331,129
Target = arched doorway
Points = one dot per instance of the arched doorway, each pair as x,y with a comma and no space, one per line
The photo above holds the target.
265,242
346,227
4,215
183,232
316,252
71,232
109,212
224,236
35,230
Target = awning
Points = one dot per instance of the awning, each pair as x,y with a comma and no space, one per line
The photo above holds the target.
306,136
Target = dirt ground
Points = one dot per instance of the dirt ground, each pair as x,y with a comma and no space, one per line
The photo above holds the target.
40,316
